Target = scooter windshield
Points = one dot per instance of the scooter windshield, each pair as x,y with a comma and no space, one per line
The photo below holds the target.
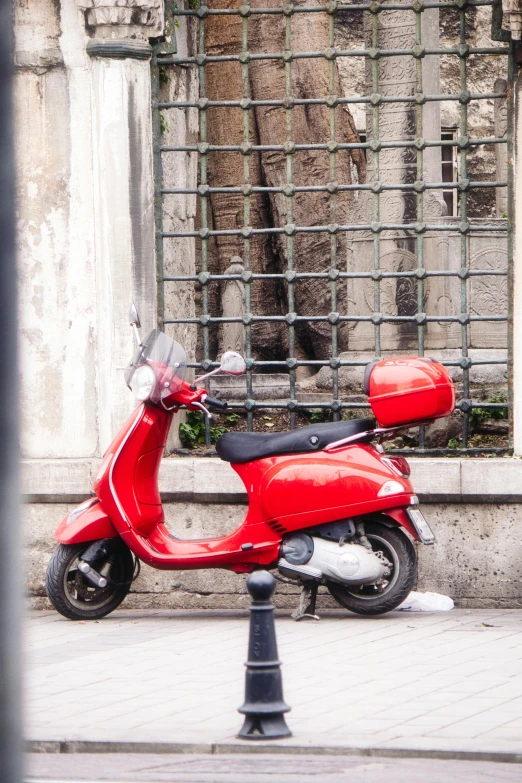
168,360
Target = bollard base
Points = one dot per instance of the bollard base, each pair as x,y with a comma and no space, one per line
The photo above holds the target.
259,727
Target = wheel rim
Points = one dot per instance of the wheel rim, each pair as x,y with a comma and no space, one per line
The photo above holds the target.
369,592
81,594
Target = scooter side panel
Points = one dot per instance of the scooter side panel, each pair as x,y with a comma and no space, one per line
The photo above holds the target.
309,488
322,516
90,525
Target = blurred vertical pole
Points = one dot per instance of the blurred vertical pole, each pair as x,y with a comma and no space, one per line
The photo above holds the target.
10,564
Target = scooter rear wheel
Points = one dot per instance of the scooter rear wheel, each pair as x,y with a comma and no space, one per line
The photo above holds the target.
74,596
374,600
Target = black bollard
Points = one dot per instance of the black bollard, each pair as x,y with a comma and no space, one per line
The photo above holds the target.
264,707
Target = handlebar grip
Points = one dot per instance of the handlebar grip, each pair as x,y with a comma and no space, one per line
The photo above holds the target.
216,403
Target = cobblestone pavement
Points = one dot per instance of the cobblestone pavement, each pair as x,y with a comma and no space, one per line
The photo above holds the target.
153,768
444,683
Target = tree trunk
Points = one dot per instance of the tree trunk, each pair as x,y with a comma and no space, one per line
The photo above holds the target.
232,169
311,124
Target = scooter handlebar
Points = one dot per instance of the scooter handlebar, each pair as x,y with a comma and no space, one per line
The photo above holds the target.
215,403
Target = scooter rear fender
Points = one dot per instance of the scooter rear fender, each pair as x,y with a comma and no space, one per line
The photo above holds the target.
398,516
87,522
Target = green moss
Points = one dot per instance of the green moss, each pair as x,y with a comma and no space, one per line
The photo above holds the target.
164,124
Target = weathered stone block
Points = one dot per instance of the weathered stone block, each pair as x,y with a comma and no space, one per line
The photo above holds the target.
477,559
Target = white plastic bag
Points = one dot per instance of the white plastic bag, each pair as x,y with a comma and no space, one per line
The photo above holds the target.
426,602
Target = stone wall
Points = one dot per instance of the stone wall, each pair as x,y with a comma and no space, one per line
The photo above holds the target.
477,558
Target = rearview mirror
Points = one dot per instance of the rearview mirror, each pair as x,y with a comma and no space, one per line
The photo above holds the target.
233,363
134,318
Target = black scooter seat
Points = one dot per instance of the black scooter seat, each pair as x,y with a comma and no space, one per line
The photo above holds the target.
241,447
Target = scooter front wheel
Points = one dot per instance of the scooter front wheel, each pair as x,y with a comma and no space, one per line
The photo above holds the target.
74,596
377,599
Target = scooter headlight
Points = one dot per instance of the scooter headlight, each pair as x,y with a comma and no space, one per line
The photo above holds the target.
390,488
142,382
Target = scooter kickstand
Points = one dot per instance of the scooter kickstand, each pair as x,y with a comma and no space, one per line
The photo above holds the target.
306,606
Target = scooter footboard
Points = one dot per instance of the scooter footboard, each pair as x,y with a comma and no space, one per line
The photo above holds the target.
87,522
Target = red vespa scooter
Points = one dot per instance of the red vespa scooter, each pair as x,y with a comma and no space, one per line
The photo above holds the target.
326,506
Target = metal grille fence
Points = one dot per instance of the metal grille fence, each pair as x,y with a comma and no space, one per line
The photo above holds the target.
460,279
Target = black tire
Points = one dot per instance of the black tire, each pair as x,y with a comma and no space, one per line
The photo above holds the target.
399,550
73,596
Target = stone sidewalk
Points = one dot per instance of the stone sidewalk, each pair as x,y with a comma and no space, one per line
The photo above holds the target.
445,685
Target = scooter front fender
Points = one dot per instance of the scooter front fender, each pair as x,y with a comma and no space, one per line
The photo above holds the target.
87,522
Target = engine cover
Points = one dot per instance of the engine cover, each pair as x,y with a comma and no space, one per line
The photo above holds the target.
349,564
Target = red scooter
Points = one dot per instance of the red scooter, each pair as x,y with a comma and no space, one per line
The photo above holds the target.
327,505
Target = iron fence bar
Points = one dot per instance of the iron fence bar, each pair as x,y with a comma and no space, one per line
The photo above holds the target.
290,150
422,273
463,160
336,406
373,54
378,318
346,363
295,406
289,197
290,9
245,72
318,363
419,238
329,100
374,228
376,201
456,185
204,202
334,272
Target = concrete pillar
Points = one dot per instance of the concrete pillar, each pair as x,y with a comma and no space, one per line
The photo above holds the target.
55,226
123,189
85,213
